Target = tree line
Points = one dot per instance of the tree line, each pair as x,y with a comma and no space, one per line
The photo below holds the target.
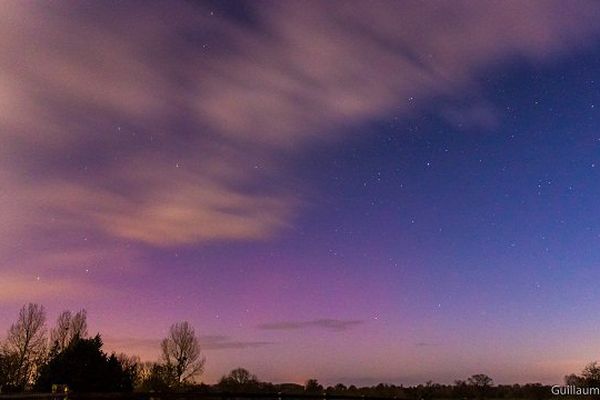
33,359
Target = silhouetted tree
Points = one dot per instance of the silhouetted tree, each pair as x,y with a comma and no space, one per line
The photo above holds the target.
239,380
68,327
574,380
313,386
132,365
157,377
481,383
535,391
427,391
340,388
461,389
4,368
591,374
480,380
7,369
181,352
241,376
25,345
84,367
144,370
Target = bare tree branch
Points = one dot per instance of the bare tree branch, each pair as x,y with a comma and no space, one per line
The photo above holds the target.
26,343
181,350
68,327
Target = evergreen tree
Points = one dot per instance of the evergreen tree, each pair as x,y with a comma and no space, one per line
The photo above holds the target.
84,367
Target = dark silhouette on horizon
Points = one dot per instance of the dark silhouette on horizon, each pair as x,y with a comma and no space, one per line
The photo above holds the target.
32,361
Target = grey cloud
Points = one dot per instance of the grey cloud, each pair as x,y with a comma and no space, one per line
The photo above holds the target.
224,342
336,325
151,346
425,344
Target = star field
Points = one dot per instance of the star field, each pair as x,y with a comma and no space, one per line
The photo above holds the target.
363,193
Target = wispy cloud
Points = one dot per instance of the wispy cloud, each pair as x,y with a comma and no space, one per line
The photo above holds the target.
478,116
166,125
149,348
21,288
425,344
225,342
336,325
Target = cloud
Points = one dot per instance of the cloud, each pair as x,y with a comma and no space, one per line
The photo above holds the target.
225,343
472,117
149,348
179,210
425,344
167,125
20,288
336,325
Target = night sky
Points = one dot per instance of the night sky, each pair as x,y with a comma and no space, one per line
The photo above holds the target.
353,191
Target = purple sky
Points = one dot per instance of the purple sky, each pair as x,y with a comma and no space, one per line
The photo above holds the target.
352,191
